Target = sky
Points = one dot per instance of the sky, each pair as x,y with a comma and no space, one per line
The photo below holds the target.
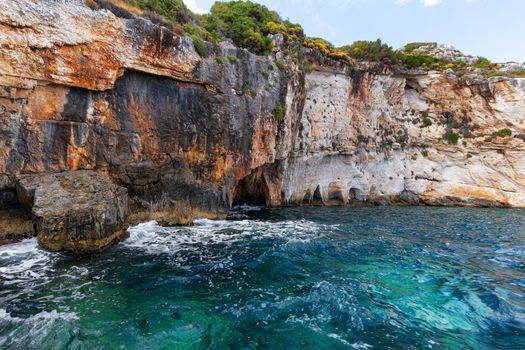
490,28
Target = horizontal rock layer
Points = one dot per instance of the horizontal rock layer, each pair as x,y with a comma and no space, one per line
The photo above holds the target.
151,120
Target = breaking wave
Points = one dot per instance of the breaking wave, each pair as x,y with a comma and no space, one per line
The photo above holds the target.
153,238
24,261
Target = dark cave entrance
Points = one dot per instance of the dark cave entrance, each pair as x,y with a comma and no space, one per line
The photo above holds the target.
355,194
315,198
251,190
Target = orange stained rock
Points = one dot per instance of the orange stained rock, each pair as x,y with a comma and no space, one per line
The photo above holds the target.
505,91
90,66
263,141
478,193
77,157
194,155
223,165
47,102
141,115
314,131
105,114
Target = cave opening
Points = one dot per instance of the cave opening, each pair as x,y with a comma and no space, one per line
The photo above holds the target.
252,190
317,198
355,194
307,198
336,198
15,218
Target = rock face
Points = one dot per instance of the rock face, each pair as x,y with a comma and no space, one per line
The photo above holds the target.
80,211
363,137
92,104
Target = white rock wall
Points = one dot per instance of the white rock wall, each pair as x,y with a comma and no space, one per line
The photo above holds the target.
365,141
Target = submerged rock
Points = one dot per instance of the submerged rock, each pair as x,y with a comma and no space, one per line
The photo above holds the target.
78,211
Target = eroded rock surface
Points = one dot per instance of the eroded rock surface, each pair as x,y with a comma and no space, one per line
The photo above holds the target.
135,105
362,137
78,211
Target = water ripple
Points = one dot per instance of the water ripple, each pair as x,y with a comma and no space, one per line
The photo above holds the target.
308,278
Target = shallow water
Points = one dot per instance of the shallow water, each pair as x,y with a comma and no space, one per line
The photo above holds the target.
305,278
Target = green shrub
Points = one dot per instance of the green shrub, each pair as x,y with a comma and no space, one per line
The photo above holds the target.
243,22
424,153
426,122
219,60
171,13
248,24
327,49
280,65
466,131
174,11
495,74
290,31
450,120
278,113
504,132
308,68
319,44
483,63
518,73
232,59
451,137
410,58
200,46
413,46
371,51
417,60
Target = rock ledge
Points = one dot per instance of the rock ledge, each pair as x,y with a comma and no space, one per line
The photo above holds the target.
78,211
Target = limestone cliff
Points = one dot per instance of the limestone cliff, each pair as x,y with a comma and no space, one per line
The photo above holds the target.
134,104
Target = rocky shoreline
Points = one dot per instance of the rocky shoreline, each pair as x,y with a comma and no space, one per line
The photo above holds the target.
106,121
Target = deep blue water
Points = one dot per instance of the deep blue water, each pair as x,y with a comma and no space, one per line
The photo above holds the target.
304,278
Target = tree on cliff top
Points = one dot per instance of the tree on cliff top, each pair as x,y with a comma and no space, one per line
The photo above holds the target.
371,51
245,23
248,24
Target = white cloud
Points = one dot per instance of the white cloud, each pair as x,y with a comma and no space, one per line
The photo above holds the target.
429,3
402,2
192,5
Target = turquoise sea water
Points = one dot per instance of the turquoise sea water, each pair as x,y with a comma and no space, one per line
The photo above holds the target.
304,278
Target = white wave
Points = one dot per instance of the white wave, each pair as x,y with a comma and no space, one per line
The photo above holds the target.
42,316
153,238
142,233
23,261
28,333
23,247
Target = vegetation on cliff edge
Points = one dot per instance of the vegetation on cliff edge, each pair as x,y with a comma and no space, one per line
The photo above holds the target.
250,25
